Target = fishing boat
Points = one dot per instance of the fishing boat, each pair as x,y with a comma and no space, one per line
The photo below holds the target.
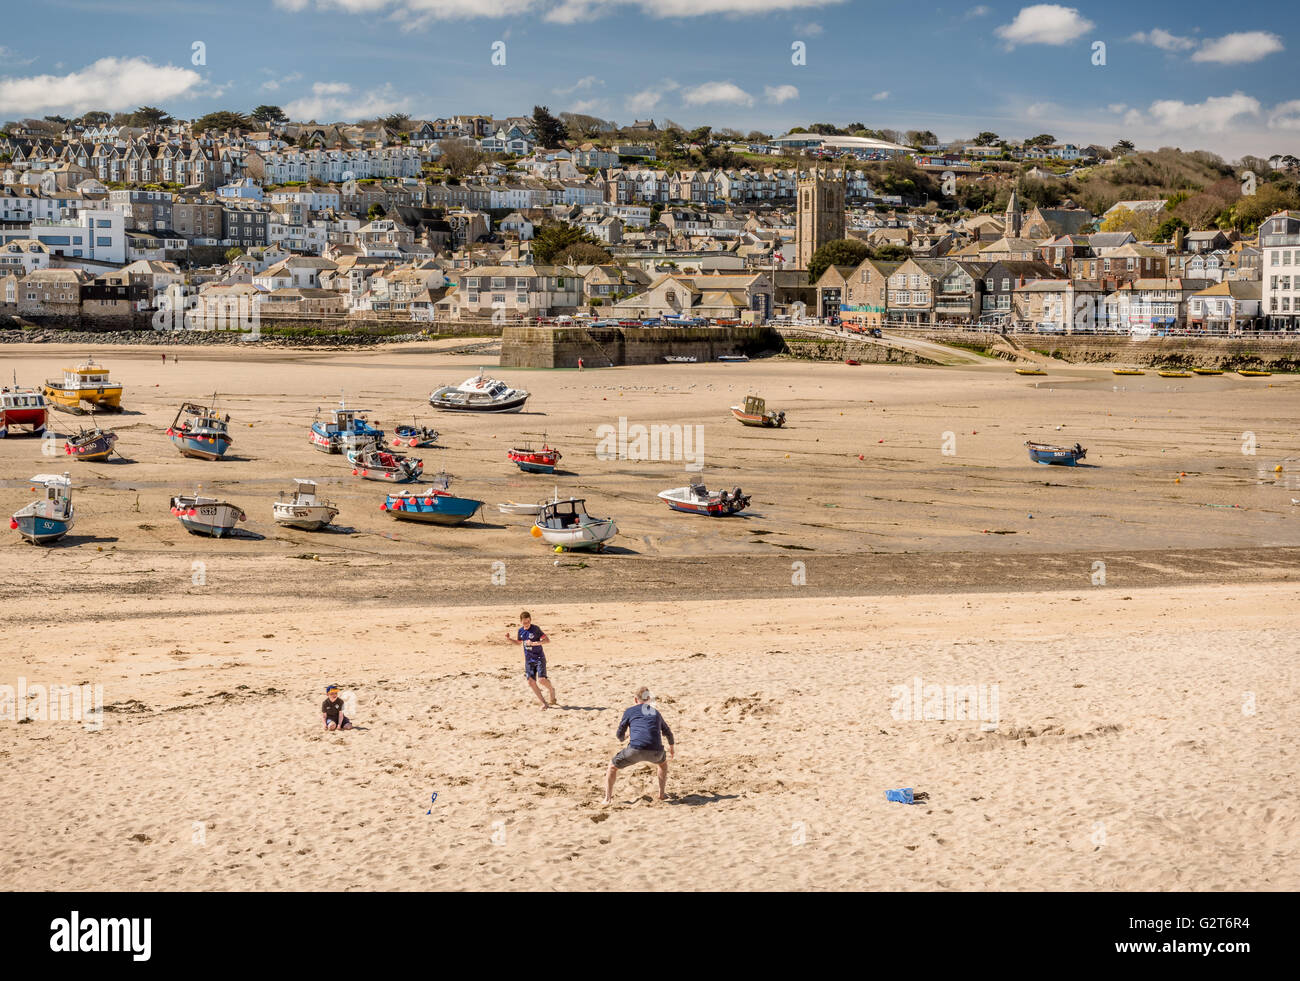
200,432
93,444
206,515
1030,371
413,436
49,518
1172,373
372,463
756,413
698,499
732,358
1064,456
1207,371
567,526
531,460
432,505
343,431
1127,371
301,508
88,382
479,394
1247,373
23,407
680,358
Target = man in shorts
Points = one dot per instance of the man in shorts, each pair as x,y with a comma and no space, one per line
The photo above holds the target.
532,637
645,744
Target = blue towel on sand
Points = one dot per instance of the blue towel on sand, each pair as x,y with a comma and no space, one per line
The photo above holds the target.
903,796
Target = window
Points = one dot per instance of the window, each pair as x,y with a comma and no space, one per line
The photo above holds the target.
1006,285
988,285
498,298
471,282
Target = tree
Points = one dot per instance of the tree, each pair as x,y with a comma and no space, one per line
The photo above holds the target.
376,211
233,253
582,254
1167,229
1042,139
1141,224
921,137
458,157
554,238
548,131
150,116
757,136
269,114
1123,147
702,135
987,139
398,122
96,117
840,252
222,119
892,253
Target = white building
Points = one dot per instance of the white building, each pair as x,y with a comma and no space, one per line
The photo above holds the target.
1279,241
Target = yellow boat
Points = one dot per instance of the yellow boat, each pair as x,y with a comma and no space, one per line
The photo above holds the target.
1030,371
1207,371
1174,374
1128,371
88,382
1255,374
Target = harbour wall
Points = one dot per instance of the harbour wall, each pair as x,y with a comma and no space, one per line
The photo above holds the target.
599,347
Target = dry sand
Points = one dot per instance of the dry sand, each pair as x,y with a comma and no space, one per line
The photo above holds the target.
1145,736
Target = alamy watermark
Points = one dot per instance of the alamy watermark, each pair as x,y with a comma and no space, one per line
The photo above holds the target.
53,703
677,443
920,702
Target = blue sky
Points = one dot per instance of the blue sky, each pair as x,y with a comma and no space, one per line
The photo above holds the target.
1195,74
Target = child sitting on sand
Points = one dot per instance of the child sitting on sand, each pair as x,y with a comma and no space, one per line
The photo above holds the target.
332,710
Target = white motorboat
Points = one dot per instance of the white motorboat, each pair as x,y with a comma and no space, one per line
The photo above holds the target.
568,526
206,515
698,499
49,518
301,508
479,394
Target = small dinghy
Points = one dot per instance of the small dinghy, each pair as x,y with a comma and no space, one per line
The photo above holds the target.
680,358
568,527
698,499
1065,456
206,515
432,505
732,358
414,436
1207,371
202,433
91,444
1127,371
1246,373
50,518
301,508
513,507
755,412
531,460
1171,373
1030,371
371,463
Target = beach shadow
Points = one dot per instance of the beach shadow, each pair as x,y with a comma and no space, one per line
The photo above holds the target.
582,708
698,800
613,550
87,540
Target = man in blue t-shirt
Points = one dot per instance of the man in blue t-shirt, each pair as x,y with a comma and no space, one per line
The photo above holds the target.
532,638
644,746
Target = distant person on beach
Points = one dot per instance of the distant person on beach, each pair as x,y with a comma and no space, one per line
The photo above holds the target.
532,637
645,745
332,710
164,357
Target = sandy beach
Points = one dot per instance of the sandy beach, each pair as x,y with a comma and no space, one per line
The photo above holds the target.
1132,623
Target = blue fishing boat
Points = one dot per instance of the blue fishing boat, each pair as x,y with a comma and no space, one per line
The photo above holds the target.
200,432
51,517
414,436
344,430
434,505
1064,456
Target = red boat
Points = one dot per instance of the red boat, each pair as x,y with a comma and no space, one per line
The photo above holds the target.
852,361
530,460
23,407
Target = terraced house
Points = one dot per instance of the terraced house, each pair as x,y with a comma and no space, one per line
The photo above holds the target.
516,291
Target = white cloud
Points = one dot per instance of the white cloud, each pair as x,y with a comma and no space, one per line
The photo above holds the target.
1216,114
417,13
646,100
811,29
1234,49
1164,40
588,106
880,96
977,11
711,93
273,84
8,56
109,83
335,101
1041,110
583,84
1285,115
1045,23
1117,107
780,93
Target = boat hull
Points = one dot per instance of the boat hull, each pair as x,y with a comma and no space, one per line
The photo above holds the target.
307,517
35,419
440,509
40,530
1057,457
759,422
201,447
92,450
109,397
211,519
445,405
586,537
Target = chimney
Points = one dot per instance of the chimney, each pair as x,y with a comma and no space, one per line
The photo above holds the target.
1180,238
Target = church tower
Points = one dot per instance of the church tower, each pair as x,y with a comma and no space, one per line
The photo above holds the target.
1014,218
820,215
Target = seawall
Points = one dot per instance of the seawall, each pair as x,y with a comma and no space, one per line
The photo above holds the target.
599,347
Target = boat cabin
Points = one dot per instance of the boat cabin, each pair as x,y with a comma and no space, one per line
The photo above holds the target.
564,514
754,405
